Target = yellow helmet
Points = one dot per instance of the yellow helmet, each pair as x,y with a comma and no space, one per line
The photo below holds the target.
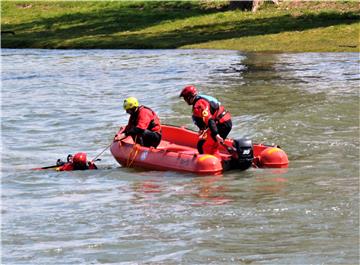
130,103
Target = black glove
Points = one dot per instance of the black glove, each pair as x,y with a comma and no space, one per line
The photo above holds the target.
59,162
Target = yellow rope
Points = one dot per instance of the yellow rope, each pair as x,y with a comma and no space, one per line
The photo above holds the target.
133,159
134,151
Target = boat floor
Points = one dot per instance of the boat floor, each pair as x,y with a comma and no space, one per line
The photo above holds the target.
173,147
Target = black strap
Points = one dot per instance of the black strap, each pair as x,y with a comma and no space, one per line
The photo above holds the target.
222,114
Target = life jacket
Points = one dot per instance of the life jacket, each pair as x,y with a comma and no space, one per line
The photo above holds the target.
207,107
69,166
146,119
214,103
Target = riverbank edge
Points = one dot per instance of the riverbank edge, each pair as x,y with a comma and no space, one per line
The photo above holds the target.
275,29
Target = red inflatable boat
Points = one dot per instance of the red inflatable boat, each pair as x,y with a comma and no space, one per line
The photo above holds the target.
177,151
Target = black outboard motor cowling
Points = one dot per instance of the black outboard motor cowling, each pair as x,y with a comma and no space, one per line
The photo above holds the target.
245,154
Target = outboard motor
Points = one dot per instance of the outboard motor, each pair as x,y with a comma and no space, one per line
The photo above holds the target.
245,154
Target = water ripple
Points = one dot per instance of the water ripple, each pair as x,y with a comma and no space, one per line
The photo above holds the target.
56,102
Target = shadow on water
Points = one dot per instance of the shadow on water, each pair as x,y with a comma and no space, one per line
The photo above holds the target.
251,67
259,83
101,26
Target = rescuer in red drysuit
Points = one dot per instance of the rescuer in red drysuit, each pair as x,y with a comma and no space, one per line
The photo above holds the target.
143,126
76,162
210,117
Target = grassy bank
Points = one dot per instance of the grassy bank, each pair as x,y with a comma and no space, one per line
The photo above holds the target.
291,26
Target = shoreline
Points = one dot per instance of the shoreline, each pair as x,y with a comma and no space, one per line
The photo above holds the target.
179,49
304,27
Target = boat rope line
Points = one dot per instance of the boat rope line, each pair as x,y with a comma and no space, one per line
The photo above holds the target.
130,163
101,152
134,151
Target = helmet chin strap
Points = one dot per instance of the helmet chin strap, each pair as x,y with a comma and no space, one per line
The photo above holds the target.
131,111
191,100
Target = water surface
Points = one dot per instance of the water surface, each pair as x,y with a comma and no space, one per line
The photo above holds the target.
56,102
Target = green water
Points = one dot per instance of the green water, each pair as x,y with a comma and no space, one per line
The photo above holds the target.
60,102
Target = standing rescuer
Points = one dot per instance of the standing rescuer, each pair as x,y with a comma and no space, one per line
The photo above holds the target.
143,126
210,117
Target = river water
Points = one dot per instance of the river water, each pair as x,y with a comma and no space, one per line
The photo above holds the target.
56,102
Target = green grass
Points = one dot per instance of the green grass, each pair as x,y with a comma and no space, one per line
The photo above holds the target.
291,27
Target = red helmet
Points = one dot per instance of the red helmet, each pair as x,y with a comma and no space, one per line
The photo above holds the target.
188,91
80,159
